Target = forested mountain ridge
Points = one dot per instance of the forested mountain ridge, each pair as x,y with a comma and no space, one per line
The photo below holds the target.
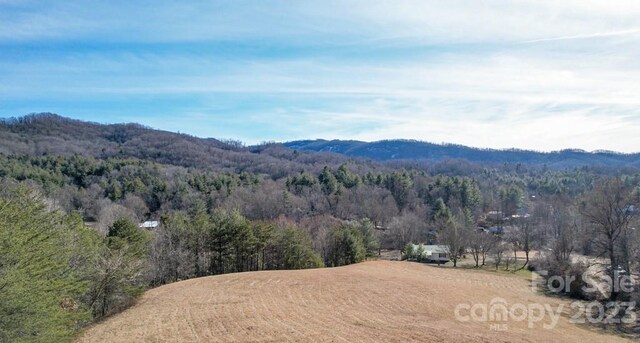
418,150
51,134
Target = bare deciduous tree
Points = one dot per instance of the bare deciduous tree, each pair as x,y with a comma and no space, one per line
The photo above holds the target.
481,243
498,253
454,237
564,226
609,208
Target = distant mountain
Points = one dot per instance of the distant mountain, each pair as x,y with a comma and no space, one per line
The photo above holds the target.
46,133
51,134
387,150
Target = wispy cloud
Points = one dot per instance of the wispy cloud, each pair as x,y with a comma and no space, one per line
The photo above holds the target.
588,36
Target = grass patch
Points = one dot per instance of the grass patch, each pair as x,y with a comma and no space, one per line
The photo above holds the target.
469,264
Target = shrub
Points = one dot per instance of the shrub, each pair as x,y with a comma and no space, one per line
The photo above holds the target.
566,271
408,251
420,252
347,246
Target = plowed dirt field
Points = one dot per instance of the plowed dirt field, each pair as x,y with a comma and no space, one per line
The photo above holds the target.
376,301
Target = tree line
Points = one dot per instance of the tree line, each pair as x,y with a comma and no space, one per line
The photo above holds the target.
57,275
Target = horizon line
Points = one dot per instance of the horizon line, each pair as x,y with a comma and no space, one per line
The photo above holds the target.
284,142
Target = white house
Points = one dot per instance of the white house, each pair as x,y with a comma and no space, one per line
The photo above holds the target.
434,253
149,224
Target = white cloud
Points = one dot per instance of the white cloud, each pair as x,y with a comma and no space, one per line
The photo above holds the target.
422,21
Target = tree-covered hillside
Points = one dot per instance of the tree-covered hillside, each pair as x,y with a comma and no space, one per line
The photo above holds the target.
417,150
51,134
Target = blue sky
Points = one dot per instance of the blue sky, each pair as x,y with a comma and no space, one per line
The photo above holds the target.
541,75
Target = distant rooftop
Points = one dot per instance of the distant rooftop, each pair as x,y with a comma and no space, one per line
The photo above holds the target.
149,224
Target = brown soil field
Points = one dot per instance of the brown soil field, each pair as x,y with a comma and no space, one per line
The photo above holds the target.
375,301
